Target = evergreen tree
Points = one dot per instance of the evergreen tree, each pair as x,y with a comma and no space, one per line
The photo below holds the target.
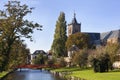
58,47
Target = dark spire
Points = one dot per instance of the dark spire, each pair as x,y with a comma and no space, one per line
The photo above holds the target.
74,19
74,15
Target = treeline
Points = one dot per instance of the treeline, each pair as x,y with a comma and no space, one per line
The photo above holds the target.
18,55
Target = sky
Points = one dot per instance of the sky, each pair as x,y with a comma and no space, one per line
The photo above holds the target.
94,15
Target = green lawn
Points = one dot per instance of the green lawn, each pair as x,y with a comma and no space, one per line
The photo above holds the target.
3,74
90,75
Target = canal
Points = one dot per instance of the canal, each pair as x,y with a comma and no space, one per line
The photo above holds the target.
29,74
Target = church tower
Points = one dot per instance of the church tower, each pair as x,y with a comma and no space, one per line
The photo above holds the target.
74,27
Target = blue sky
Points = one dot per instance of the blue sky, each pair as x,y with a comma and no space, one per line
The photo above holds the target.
95,16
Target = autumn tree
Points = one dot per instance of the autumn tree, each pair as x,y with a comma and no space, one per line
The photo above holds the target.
58,46
81,40
80,58
13,26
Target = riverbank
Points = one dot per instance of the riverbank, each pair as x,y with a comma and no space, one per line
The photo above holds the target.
88,74
3,74
65,72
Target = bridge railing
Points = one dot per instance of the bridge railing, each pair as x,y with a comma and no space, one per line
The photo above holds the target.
39,66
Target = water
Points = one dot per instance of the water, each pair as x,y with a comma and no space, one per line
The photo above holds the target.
29,74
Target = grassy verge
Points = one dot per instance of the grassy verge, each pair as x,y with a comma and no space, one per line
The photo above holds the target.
90,75
2,74
66,69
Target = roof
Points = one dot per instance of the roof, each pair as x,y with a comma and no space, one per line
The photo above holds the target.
94,37
74,48
115,34
110,34
74,21
39,52
104,36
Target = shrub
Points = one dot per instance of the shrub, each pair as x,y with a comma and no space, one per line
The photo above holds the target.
80,58
100,61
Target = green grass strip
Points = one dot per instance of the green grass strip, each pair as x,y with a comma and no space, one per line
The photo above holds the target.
65,69
89,74
2,74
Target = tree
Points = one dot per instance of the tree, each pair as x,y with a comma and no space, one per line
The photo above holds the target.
62,62
40,59
13,26
19,55
100,60
58,46
80,58
113,50
52,61
81,40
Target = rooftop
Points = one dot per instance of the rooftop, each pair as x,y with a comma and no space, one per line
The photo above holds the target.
39,52
110,34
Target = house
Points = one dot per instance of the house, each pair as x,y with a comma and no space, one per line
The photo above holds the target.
116,64
73,49
36,53
49,54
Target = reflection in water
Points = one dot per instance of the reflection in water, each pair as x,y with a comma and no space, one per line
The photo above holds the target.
29,74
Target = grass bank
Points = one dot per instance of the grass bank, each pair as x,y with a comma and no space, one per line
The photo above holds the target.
4,73
90,75
66,69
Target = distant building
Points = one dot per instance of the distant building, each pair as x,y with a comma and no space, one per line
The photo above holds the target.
96,39
49,54
36,53
75,27
72,50
116,64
